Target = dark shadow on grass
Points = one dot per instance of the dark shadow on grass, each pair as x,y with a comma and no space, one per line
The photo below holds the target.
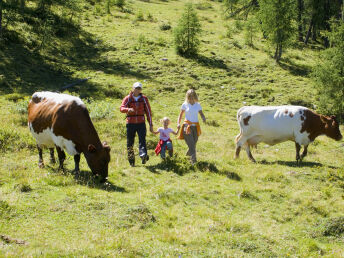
86,178
209,62
180,167
25,68
293,68
211,167
293,163
183,166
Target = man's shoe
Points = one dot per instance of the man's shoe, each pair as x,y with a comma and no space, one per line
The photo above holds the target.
145,158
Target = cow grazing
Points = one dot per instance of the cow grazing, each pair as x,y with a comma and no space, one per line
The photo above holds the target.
63,121
275,124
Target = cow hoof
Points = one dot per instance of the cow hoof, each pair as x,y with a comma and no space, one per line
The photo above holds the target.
41,165
253,160
52,161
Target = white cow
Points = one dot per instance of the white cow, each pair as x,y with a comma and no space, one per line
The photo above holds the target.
275,124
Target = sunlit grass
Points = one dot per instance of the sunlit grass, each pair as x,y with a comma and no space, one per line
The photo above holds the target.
221,206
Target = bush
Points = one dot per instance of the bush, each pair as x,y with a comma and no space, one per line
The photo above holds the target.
120,3
165,26
150,17
187,32
139,16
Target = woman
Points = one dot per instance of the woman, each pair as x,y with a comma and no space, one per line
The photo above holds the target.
191,128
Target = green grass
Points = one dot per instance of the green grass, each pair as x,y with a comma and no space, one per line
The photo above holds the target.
221,206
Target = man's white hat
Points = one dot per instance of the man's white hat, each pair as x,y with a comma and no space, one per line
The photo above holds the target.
137,85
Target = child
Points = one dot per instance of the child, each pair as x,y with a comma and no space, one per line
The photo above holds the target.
165,141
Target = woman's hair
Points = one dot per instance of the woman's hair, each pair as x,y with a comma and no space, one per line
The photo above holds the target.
191,94
165,119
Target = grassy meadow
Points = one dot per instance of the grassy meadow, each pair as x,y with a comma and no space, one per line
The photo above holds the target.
220,206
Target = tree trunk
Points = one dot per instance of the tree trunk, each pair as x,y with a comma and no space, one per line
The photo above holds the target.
22,5
327,7
0,18
299,18
309,31
314,33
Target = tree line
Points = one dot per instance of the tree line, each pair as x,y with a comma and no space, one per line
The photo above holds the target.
281,19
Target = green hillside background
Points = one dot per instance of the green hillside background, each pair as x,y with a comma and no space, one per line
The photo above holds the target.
220,206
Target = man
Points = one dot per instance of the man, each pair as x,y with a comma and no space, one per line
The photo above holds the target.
136,105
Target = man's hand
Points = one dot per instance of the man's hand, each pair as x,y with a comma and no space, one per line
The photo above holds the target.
131,110
151,128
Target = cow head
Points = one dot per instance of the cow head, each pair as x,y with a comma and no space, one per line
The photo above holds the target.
98,160
332,128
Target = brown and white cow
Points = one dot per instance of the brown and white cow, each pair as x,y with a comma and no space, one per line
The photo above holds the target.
275,124
63,121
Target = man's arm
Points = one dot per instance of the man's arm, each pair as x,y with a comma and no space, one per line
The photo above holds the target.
124,107
148,112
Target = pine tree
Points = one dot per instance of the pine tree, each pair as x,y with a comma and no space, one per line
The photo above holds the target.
187,32
250,31
276,17
329,73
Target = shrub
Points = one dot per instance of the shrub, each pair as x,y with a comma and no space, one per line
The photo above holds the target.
120,3
165,26
139,16
150,17
334,227
187,32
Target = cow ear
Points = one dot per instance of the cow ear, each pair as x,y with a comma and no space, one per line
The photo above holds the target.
91,148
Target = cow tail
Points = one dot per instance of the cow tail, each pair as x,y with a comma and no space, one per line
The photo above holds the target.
240,124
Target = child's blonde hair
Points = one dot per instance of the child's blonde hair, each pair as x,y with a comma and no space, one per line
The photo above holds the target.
191,94
165,119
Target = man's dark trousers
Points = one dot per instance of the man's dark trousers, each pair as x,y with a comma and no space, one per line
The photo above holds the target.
141,130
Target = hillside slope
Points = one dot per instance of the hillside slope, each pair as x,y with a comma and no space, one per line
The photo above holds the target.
221,206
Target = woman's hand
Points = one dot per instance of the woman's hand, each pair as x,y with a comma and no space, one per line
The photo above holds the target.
203,116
